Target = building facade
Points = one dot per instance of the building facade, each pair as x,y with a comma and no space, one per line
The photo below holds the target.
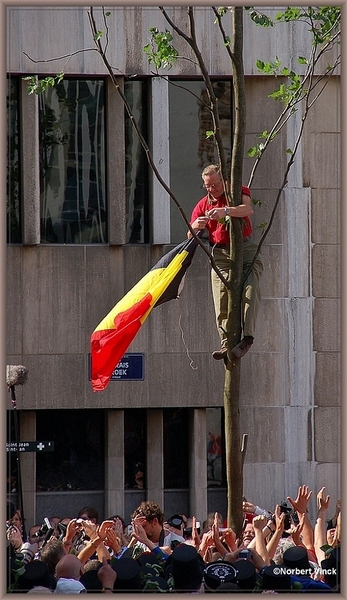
87,219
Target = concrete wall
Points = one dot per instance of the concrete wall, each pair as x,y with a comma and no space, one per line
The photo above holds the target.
67,28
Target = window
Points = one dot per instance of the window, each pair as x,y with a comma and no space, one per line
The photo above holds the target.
176,448
73,163
190,149
136,165
77,462
216,476
135,448
14,233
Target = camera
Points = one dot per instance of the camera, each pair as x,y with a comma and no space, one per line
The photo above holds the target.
45,527
46,531
245,554
295,518
288,510
62,530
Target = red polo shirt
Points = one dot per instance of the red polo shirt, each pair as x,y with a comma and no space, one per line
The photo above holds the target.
218,233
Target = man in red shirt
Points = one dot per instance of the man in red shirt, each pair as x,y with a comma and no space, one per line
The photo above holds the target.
207,215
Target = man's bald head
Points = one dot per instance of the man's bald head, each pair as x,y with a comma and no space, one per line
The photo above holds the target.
69,567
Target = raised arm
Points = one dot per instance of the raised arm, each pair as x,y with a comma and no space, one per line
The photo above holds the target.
300,506
320,529
259,523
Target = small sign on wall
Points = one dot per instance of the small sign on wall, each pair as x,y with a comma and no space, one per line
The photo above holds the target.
130,368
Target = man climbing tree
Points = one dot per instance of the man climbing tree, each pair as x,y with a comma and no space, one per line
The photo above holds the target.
213,213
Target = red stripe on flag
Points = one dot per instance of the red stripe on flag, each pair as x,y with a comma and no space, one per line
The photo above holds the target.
108,346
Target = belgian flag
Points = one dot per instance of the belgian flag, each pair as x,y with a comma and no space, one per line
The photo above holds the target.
111,338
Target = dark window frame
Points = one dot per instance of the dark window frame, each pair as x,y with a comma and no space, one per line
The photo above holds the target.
14,229
96,217
139,209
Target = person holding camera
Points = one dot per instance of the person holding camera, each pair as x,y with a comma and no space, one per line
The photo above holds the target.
213,213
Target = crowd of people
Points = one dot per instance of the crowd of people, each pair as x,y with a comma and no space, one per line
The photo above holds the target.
276,552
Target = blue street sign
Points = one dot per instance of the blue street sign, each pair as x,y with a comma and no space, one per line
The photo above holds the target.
129,368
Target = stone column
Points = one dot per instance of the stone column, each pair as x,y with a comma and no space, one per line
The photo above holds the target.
115,165
155,457
299,361
198,463
161,158
27,423
114,484
30,166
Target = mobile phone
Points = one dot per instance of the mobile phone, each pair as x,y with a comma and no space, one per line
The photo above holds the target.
245,554
223,529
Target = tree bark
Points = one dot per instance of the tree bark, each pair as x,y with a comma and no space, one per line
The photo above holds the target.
234,459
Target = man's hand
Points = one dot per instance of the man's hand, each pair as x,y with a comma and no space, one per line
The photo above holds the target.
259,522
322,501
112,540
206,540
229,537
248,507
297,530
301,502
279,519
140,534
103,529
90,528
199,223
72,529
15,537
195,535
106,575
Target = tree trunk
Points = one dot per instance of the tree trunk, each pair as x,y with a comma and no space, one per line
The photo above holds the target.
234,462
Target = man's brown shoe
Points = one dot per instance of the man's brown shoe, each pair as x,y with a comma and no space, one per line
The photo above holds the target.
220,354
242,347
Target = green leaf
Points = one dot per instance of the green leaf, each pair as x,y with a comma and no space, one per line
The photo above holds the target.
260,65
289,151
260,19
37,86
98,35
255,151
262,225
252,152
270,68
209,134
302,60
160,51
291,14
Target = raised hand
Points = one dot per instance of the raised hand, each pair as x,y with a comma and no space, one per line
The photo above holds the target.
107,575
322,501
248,507
279,519
302,499
259,522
